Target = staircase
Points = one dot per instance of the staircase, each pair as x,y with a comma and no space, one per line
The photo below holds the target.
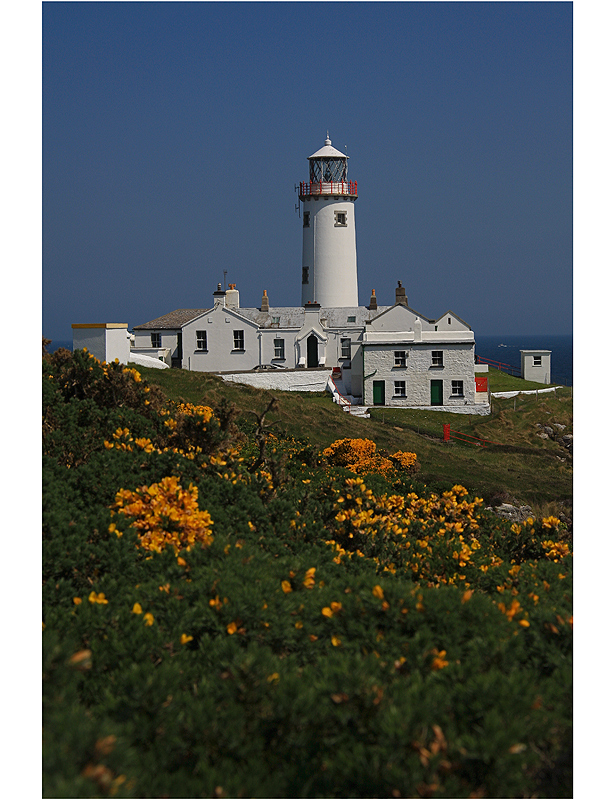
345,402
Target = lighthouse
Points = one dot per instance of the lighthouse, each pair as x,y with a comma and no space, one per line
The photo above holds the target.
329,266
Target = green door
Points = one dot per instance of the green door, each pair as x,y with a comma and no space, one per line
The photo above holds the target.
437,393
378,393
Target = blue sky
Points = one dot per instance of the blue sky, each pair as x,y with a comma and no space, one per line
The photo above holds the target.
174,135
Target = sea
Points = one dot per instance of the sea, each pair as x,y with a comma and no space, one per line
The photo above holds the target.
504,349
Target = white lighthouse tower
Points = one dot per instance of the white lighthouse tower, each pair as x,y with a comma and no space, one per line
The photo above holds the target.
329,271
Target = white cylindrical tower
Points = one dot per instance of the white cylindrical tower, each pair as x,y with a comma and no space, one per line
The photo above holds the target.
329,267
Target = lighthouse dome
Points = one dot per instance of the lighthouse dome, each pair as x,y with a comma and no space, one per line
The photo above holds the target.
328,151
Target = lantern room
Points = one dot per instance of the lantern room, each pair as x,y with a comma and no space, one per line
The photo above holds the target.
328,173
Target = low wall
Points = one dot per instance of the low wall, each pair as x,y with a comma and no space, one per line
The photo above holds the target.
307,381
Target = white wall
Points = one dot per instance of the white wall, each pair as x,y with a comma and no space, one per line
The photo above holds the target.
458,365
106,341
220,356
529,372
118,344
330,253
92,338
302,381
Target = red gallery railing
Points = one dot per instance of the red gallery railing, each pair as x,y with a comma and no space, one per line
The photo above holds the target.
307,189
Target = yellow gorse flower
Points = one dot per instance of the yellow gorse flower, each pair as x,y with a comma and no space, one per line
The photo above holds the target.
97,598
165,514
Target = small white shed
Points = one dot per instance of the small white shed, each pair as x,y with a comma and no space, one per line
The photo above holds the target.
536,365
106,341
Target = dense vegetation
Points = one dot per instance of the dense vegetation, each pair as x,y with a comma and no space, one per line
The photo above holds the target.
230,610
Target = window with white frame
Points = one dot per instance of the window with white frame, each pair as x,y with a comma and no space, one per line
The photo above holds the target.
201,340
538,361
399,389
278,348
156,340
345,348
400,358
437,358
340,219
238,340
457,388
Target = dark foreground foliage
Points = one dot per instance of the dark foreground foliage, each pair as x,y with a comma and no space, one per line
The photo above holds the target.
227,614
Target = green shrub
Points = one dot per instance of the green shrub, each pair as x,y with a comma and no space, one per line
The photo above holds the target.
336,637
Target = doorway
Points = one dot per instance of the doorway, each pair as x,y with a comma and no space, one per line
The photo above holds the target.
437,393
378,393
312,351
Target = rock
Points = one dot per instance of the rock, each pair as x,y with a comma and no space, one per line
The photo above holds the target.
543,435
559,426
513,513
548,430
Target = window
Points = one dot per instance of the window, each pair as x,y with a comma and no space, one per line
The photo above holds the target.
538,361
275,320
351,319
400,358
345,349
238,340
305,275
457,388
201,340
437,358
340,219
278,348
306,219
156,340
400,389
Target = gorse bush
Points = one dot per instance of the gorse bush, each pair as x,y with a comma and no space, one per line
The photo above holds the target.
361,456
238,615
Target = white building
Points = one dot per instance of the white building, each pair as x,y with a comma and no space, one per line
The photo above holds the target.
104,340
536,365
387,355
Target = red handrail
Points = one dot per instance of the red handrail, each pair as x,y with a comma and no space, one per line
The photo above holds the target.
498,364
447,432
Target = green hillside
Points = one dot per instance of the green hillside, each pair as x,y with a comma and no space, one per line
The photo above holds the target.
534,471
239,604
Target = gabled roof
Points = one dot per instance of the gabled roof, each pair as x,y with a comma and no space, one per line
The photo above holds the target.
401,305
452,314
172,320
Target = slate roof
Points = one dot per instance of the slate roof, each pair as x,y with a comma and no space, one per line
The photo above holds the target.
294,317
173,320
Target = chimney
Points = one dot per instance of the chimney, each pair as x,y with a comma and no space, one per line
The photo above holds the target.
219,296
265,301
400,294
373,303
232,296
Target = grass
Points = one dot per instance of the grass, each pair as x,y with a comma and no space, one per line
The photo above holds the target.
520,466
